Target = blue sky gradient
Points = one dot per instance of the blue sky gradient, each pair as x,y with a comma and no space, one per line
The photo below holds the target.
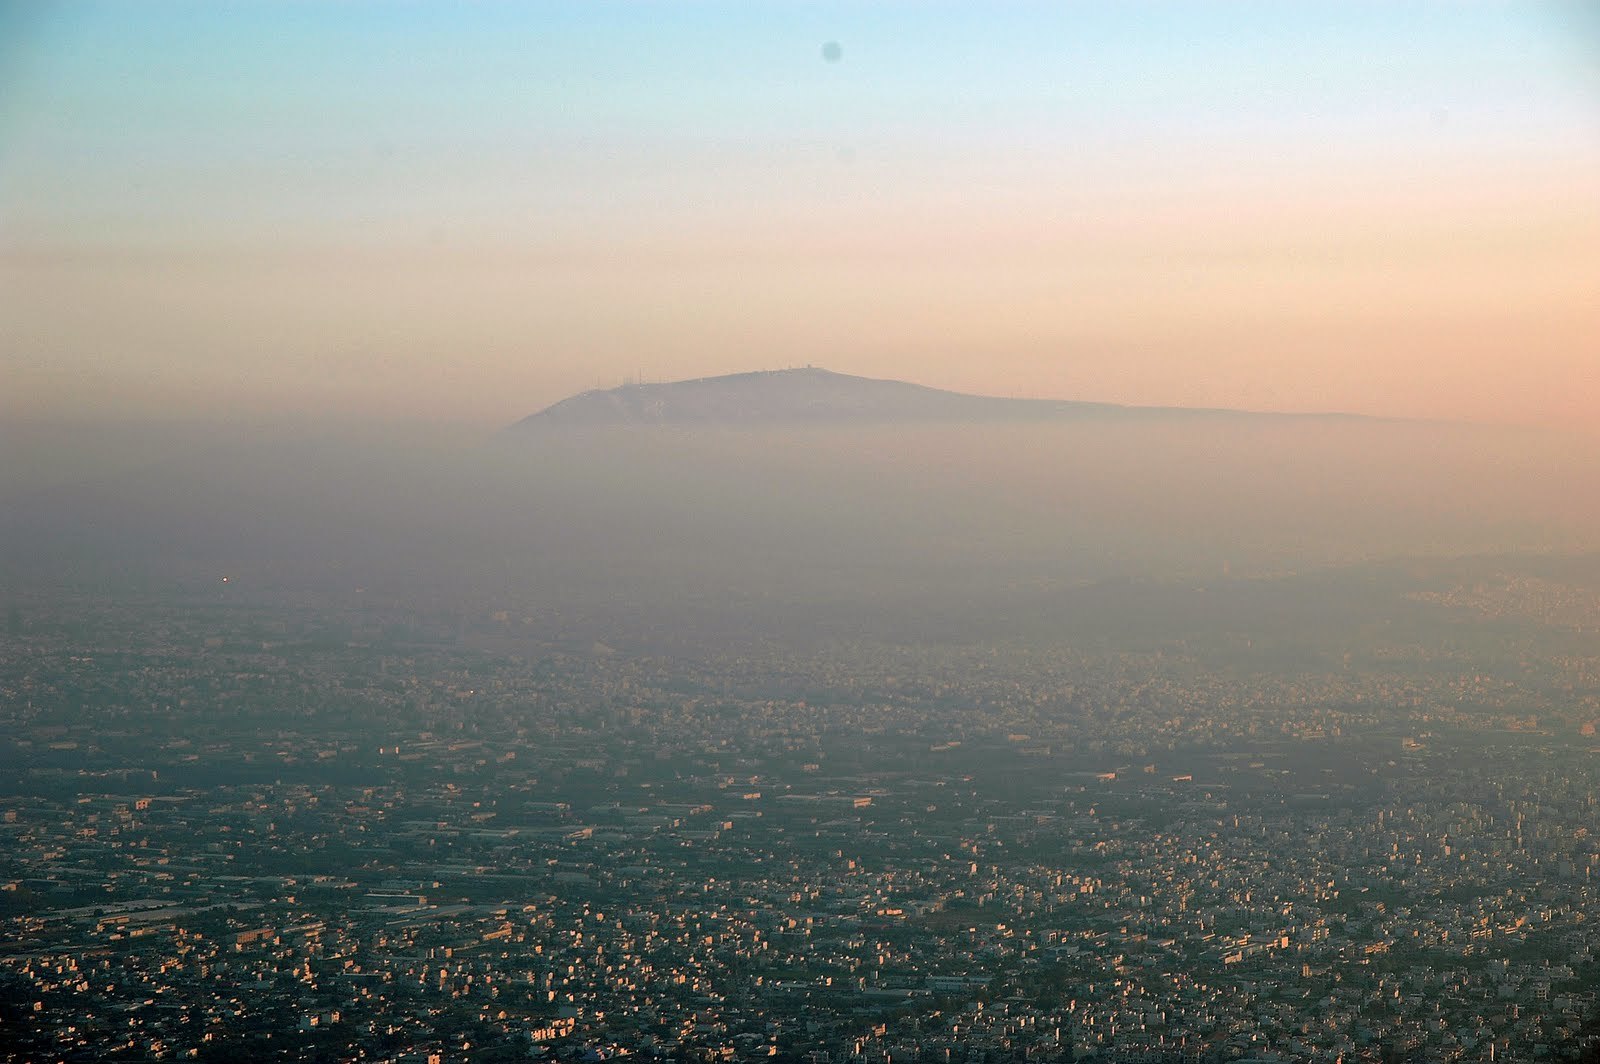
592,140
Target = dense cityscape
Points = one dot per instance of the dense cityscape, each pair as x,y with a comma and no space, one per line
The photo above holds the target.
799,532
244,829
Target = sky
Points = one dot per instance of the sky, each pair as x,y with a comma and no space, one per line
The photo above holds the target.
460,213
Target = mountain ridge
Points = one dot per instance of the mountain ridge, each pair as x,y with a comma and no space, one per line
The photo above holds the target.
814,395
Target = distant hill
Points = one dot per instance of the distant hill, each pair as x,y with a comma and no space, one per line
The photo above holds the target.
819,396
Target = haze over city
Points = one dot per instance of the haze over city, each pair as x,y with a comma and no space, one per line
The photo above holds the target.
809,533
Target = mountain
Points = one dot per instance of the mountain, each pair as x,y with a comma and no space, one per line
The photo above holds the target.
812,395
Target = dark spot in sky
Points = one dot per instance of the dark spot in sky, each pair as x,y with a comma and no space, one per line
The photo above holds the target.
832,52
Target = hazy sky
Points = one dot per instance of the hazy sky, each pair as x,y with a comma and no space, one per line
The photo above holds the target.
464,212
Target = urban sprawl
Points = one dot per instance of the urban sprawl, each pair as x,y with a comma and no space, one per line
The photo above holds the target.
238,831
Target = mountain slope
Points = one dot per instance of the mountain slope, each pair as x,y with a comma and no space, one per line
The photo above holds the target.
790,396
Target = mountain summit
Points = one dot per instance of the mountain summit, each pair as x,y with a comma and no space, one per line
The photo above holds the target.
817,396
